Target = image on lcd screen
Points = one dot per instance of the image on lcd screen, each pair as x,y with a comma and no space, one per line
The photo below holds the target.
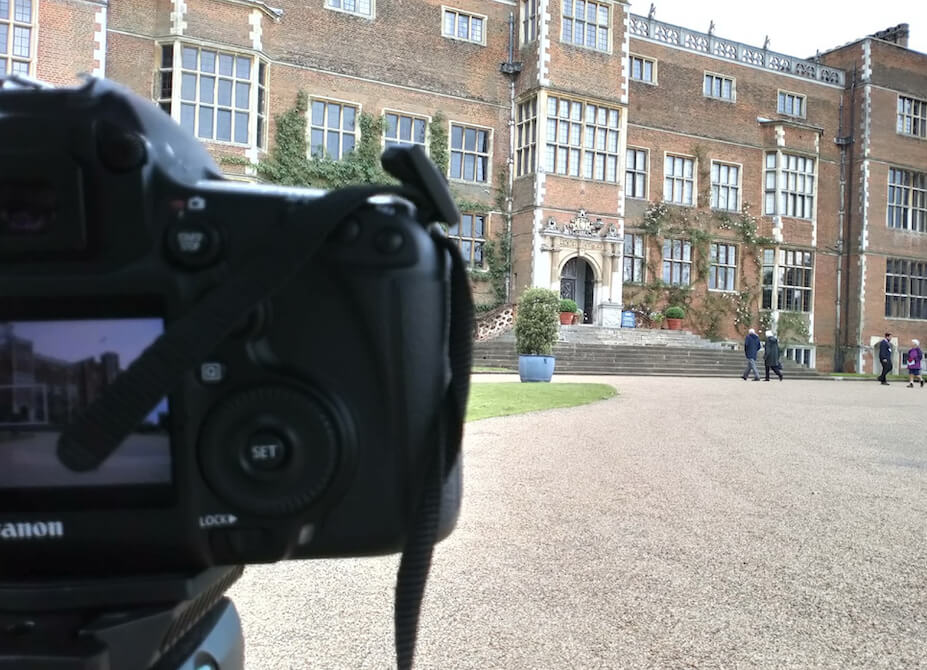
49,372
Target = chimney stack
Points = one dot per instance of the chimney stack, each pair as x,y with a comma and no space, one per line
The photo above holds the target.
896,35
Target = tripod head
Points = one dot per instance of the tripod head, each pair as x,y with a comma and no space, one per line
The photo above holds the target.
163,622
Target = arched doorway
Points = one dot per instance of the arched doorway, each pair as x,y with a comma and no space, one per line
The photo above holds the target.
577,282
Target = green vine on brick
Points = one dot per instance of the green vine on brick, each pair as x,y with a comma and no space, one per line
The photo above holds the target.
793,328
288,162
498,251
438,144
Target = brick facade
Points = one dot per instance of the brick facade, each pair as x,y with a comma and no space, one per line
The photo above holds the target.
569,212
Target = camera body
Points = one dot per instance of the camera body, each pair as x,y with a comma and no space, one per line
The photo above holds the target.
305,434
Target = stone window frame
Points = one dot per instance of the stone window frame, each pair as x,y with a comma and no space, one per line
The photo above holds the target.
727,268
710,77
447,10
12,22
683,178
776,185
637,255
169,88
682,260
490,133
577,146
564,17
358,110
906,203
372,14
782,97
637,174
455,232
737,188
901,276
644,60
803,291
397,141
526,136
917,116
529,28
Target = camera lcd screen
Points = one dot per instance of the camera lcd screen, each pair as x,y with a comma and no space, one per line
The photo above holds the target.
50,370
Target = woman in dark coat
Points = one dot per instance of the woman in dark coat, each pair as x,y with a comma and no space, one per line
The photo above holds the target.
771,355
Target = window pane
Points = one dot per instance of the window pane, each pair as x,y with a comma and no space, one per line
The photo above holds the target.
208,61
189,58
188,87
242,95
347,144
205,125
241,127
456,137
187,115
333,145
23,11
419,131
4,36
207,89
225,64
243,67
348,121
5,14
225,93
224,125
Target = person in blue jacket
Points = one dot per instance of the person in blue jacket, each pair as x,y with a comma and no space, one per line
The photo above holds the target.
885,357
751,349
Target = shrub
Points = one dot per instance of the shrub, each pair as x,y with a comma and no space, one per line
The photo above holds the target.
675,312
537,321
567,305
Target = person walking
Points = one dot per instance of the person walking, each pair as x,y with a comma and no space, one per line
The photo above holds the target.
885,357
915,356
751,349
771,355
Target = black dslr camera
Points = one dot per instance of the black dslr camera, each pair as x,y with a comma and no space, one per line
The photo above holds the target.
196,372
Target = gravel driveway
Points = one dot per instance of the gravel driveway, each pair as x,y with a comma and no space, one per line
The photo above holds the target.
686,523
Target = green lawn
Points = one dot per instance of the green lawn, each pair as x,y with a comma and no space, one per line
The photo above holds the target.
504,398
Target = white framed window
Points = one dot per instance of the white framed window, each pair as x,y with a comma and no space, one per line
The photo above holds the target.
725,186
722,268
526,137
789,185
470,149
586,24
634,260
907,200
464,26
217,95
363,8
529,21
677,262
801,355
795,271
17,36
635,173
905,289
582,139
404,129
719,86
470,235
679,179
912,116
333,128
792,104
643,69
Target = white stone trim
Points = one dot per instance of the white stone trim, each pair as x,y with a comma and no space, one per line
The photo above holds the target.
257,30
866,74
625,58
544,42
540,260
178,15
99,43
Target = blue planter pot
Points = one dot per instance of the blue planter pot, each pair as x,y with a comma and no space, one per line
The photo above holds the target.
533,368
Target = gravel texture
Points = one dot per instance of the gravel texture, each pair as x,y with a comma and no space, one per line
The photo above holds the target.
686,523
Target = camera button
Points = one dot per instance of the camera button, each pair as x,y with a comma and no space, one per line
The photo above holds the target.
212,372
389,241
193,244
265,451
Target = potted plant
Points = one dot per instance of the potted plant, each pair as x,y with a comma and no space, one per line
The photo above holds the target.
535,334
578,317
674,317
568,309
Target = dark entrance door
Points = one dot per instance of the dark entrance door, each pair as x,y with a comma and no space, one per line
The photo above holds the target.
568,280
577,282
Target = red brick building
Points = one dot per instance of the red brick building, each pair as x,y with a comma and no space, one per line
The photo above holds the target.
631,163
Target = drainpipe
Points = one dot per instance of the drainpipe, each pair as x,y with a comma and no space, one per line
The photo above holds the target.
511,68
848,206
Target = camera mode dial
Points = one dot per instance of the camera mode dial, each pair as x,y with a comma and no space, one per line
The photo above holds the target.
270,451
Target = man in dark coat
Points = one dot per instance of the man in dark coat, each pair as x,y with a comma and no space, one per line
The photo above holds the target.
771,355
751,349
885,357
